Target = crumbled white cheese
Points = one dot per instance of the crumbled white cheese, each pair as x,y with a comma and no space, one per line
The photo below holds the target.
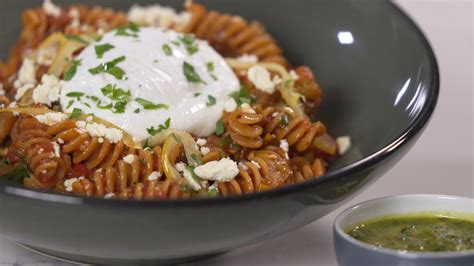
154,176
260,77
57,149
213,187
188,176
243,166
22,89
276,80
14,105
45,56
81,124
224,170
156,15
344,144
69,182
247,108
51,9
201,142
98,130
75,18
256,164
247,58
26,74
109,195
230,105
100,140
89,118
137,140
205,150
129,158
60,141
285,147
48,91
294,75
51,118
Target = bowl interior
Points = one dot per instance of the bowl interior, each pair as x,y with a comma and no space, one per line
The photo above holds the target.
375,69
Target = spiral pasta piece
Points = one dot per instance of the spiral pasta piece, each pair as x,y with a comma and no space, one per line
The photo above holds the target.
304,170
32,142
264,169
244,128
232,35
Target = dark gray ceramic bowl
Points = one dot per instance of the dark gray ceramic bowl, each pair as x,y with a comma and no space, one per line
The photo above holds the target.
352,252
380,80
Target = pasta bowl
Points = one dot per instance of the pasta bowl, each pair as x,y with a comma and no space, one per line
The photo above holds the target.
381,84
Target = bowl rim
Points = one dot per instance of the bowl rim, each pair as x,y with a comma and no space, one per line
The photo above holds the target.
397,143
338,230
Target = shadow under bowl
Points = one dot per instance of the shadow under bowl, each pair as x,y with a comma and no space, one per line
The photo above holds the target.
381,84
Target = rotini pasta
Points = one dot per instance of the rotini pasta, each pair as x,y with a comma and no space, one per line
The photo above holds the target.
263,137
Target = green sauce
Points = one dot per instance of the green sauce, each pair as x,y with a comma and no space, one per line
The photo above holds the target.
417,233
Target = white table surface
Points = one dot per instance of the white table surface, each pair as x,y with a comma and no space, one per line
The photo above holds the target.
441,161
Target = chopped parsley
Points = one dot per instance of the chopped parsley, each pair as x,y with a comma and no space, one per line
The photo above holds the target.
190,43
129,30
100,50
176,43
242,96
110,68
211,100
196,159
284,120
210,66
214,77
213,192
119,97
75,94
190,73
75,38
76,113
17,174
167,49
153,131
147,105
193,174
69,104
197,94
137,111
69,74
219,127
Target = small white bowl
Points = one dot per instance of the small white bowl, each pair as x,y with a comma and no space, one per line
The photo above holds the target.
351,251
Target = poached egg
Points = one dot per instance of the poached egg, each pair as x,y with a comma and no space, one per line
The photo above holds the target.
139,78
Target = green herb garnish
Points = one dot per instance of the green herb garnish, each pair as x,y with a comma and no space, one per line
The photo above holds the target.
110,67
100,50
119,97
129,30
69,104
76,113
211,100
17,174
137,111
75,38
167,49
147,105
190,73
69,74
284,121
190,43
219,127
153,131
75,94
213,192
196,159
242,96
193,174
210,66
197,94
176,138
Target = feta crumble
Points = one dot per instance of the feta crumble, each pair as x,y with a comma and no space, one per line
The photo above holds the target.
230,105
98,130
243,166
188,176
285,147
343,144
69,182
205,150
26,78
129,159
74,14
51,118
51,9
57,149
260,77
247,108
224,170
256,164
294,75
48,91
154,176
109,195
247,58
201,142
157,16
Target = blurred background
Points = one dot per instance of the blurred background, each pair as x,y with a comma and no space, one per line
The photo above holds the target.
441,162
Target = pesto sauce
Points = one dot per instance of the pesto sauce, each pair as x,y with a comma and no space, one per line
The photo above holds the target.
428,233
